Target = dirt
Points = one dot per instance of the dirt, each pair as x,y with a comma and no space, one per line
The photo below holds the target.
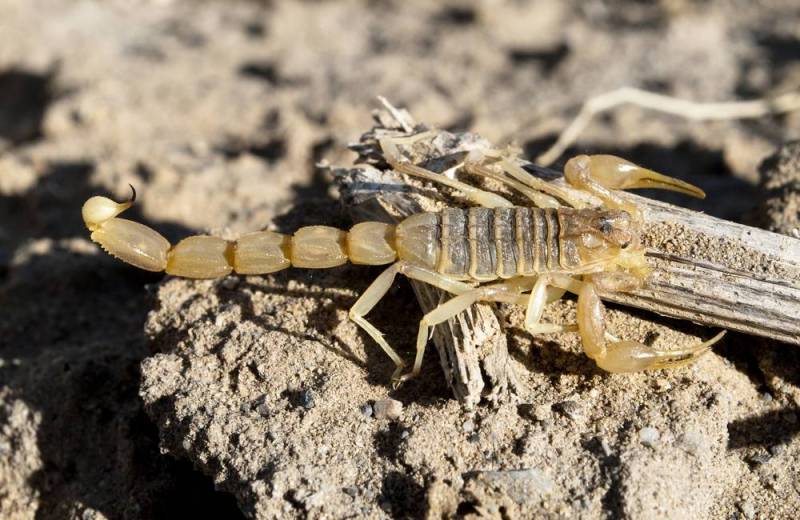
132,395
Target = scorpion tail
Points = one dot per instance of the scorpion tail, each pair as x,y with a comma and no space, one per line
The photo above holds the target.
262,252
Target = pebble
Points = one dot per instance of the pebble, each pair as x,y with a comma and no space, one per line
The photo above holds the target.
351,491
542,412
532,479
468,426
570,409
663,385
387,409
230,282
261,407
649,436
606,447
366,410
759,458
748,509
776,449
307,399
692,442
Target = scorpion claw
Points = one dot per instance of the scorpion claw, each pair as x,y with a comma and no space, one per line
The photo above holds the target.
631,356
613,355
616,173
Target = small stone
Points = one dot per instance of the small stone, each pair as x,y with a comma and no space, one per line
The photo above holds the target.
776,449
663,385
468,426
262,409
404,434
758,459
570,409
649,436
91,514
351,491
366,410
307,399
766,397
542,412
747,508
692,442
387,409
606,447
230,282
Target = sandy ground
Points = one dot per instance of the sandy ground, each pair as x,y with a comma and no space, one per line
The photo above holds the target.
130,395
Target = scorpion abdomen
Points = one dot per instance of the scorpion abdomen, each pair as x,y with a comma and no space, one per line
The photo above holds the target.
483,244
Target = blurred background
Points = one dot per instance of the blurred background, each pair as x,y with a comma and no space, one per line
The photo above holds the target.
217,111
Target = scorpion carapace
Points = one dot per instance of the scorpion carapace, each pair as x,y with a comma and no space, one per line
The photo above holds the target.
492,252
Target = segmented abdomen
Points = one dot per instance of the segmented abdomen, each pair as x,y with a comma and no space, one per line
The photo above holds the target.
484,244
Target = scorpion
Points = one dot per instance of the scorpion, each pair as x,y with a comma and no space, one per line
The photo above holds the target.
493,251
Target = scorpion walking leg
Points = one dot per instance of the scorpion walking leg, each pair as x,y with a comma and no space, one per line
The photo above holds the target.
540,296
625,356
507,292
475,195
545,194
378,290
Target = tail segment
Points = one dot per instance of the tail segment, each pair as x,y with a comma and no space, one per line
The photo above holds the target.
262,252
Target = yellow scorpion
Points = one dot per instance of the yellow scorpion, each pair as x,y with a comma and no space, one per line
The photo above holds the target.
537,253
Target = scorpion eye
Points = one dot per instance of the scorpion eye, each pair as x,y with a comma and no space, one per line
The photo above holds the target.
606,227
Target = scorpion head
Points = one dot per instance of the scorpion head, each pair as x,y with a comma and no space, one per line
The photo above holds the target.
603,237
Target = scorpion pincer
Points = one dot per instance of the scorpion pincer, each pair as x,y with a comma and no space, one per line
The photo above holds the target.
494,251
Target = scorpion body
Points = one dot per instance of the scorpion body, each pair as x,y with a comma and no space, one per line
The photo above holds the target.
492,252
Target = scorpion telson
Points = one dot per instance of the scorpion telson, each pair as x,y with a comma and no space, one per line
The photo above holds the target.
494,251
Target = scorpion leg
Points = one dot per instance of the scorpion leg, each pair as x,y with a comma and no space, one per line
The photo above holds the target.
474,164
475,195
542,193
378,289
507,292
600,174
625,356
540,296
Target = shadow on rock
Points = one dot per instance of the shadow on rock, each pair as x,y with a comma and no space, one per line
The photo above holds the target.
24,99
73,317
766,430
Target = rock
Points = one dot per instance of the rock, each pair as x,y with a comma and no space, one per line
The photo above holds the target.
649,436
255,385
780,181
747,508
366,410
387,409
